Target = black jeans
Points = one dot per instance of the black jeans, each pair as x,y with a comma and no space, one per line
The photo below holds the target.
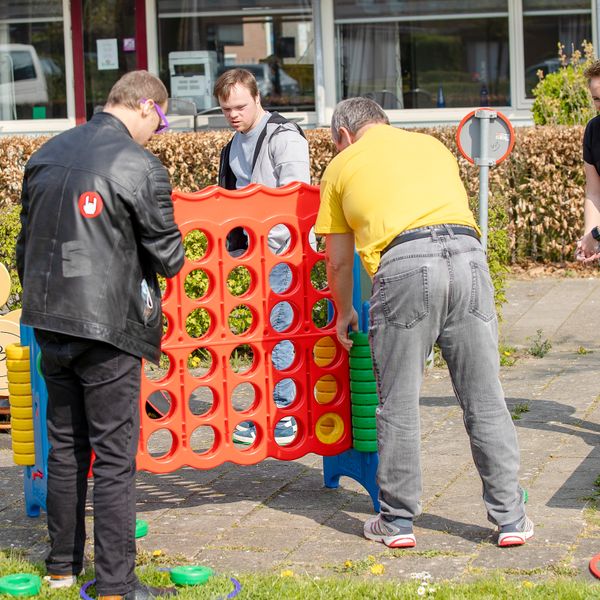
93,404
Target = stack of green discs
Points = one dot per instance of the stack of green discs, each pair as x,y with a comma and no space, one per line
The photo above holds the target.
363,394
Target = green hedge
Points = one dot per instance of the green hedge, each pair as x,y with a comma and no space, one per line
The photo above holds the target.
536,195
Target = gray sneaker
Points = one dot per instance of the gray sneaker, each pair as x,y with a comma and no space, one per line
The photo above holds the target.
516,534
379,530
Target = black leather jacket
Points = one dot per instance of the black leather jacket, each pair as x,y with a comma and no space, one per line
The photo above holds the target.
96,227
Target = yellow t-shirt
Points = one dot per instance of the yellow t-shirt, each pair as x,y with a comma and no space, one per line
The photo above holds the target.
388,181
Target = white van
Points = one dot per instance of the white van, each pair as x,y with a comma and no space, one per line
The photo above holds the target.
22,79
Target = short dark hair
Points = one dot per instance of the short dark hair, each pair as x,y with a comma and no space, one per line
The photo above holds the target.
134,86
592,70
230,79
355,113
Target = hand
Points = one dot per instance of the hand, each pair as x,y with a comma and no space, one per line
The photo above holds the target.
341,328
587,250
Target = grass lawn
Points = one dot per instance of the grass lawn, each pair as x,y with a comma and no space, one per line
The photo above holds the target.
288,585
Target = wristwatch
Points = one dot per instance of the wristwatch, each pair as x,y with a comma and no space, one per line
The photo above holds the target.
596,233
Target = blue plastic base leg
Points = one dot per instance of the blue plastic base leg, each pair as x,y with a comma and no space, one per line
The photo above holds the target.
32,504
360,466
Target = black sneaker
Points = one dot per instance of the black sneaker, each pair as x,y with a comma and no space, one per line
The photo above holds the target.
146,592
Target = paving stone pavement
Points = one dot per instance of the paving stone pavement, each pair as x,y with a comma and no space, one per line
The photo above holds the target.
277,515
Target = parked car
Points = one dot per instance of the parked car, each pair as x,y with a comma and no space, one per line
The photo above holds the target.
22,79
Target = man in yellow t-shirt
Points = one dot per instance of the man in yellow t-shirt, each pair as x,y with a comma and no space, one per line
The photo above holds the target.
397,196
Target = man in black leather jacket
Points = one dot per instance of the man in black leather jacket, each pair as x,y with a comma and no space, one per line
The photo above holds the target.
97,227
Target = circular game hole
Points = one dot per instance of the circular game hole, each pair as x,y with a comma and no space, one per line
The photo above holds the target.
163,285
324,351
325,389
238,242
160,371
323,313
200,362
283,355
243,396
280,239
165,325
281,316
240,319
196,284
316,242
318,275
285,431
159,404
161,443
198,323
241,359
285,393
195,244
201,400
245,435
281,278
202,439
239,281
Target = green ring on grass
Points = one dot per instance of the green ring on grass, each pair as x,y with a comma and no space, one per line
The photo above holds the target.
364,446
190,575
364,435
141,528
357,362
359,338
366,410
363,387
20,584
364,422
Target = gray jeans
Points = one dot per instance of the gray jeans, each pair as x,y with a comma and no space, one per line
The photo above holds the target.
438,289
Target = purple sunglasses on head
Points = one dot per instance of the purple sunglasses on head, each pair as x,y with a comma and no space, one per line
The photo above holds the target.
164,124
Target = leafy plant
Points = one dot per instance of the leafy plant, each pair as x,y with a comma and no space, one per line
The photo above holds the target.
518,410
508,355
562,97
540,346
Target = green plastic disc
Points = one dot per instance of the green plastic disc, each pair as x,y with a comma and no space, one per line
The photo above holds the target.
141,528
368,410
190,575
362,399
359,338
363,387
364,422
367,435
361,363
360,352
364,446
20,584
362,375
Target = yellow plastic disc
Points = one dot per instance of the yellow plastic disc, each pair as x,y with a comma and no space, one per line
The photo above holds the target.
20,389
9,335
22,436
329,428
19,365
23,447
4,284
324,397
20,424
24,460
18,412
18,377
324,351
14,351
20,401
327,383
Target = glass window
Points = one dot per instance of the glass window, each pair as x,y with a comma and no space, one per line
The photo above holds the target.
200,39
32,60
545,25
427,63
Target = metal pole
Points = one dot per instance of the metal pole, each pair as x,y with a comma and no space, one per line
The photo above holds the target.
484,163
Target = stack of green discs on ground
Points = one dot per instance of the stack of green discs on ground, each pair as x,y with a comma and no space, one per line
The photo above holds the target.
363,394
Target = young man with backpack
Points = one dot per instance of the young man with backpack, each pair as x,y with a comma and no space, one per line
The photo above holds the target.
268,149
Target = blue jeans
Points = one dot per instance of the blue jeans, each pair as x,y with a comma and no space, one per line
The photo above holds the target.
438,289
281,318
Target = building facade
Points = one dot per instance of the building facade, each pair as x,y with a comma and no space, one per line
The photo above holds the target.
424,61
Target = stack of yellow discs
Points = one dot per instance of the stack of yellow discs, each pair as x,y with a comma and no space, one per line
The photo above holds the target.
21,409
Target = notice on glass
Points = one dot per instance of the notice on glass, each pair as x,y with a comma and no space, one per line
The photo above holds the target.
108,54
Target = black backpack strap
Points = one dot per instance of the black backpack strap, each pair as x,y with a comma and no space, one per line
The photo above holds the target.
278,120
226,178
